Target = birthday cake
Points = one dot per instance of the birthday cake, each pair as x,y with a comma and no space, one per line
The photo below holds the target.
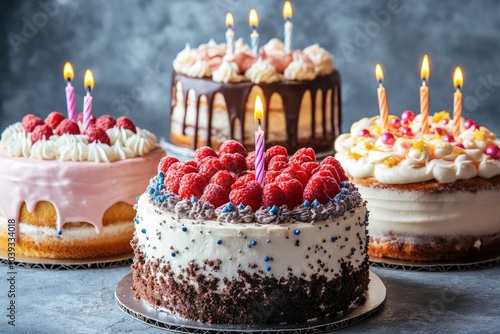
213,96
431,196
212,245
68,192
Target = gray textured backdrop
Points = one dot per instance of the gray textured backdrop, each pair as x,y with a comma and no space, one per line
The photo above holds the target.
130,46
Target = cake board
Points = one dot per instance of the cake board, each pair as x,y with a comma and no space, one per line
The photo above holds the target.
68,264
488,261
139,310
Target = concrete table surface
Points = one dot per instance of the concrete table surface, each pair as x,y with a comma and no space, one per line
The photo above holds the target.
82,301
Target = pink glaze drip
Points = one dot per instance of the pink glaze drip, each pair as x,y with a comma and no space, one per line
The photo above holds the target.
79,191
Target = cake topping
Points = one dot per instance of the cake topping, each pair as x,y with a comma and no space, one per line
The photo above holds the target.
53,119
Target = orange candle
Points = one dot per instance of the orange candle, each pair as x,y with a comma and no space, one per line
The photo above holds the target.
424,95
458,80
382,100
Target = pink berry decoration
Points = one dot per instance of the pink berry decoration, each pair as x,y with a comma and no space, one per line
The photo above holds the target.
449,138
475,127
493,151
395,122
364,133
388,138
468,123
460,145
407,115
406,132
445,121
438,131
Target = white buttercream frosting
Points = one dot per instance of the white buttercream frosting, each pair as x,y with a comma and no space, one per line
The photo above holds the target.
322,59
227,72
44,149
199,69
184,60
263,72
298,69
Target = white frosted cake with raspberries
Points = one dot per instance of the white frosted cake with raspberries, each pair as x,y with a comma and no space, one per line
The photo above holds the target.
213,96
68,193
432,196
212,245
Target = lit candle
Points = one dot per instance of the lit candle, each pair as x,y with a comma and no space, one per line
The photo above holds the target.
458,81
259,142
253,20
287,14
424,95
69,74
88,82
382,100
229,34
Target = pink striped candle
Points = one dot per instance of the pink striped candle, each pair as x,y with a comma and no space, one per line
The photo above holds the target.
88,82
70,91
259,143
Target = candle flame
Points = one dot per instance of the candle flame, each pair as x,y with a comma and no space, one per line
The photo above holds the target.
458,77
258,109
253,18
68,72
425,70
88,79
287,10
379,74
229,20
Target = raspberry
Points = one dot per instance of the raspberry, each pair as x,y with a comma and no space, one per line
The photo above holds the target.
53,119
191,163
270,176
174,175
96,134
308,167
248,194
330,169
300,159
40,131
232,146
335,163
30,122
67,126
278,162
105,122
283,177
297,173
242,180
126,123
332,186
273,195
192,184
293,190
274,151
250,161
306,151
209,167
215,195
165,163
316,190
224,179
233,162
204,152
79,118
183,167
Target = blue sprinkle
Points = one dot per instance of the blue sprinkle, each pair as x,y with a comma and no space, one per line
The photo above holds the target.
228,207
160,186
241,206
296,232
136,220
162,198
268,268
137,198
333,239
184,229
161,175
143,230
274,210
193,199
59,232
315,203
345,191
151,191
345,184
266,258
339,197
367,239
253,243
219,242
306,204
173,254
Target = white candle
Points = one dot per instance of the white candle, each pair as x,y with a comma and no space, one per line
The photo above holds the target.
229,34
287,14
253,20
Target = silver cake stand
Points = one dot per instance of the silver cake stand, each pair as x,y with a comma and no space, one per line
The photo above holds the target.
67,264
141,311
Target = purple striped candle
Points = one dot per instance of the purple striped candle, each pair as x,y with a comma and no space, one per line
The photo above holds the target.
87,101
70,91
259,143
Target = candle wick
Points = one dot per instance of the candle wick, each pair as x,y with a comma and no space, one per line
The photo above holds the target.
258,120
380,82
89,89
458,87
424,82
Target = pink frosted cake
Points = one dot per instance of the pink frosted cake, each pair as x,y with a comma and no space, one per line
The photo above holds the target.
212,245
68,193
431,197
